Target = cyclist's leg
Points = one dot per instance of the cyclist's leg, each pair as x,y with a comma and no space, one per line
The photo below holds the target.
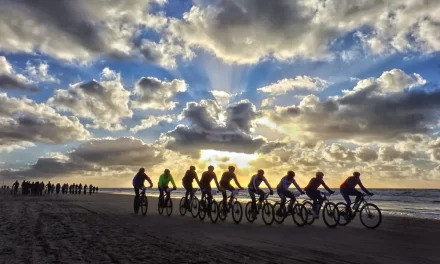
261,193
232,189
283,198
225,197
312,195
209,198
346,196
254,202
359,196
320,200
292,199
161,191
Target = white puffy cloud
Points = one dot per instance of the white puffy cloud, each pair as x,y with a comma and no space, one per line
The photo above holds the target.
267,102
23,122
249,31
40,73
151,121
105,102
222,97
152,93
76,30
10,80
299,83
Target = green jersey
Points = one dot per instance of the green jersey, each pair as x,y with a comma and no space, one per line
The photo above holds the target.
163,181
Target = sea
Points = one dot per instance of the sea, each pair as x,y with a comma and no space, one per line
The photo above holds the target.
414,203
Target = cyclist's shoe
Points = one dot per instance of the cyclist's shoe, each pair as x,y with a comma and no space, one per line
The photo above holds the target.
279,213
254,214
315,215
230,205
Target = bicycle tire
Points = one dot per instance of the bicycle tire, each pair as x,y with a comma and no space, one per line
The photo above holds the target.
222,211
144,205
159,208
299,215
194,207
342,210
182,208
214,212
267,214
330,211
279,213
309,209
202,210
248,212
367,207
237,212
169,207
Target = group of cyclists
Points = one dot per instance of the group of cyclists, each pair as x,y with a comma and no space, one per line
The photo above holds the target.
347,188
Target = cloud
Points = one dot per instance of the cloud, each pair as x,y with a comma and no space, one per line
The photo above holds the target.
249,31
208,132
76,30
95,157
222,97
105,102
366,154
390,153
300,83
267,102
40,73
164,53
23,121
151,121
376,109
337,152
10,80
153,93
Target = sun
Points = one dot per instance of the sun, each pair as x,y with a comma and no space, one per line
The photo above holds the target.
215,157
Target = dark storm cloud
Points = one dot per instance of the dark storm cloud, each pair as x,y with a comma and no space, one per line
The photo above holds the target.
205,132
8,82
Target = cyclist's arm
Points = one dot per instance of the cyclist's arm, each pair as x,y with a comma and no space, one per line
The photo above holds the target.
236,182
326,187
172,182
297,186
267,184
363,187
160,183
197,179
216,181
148,180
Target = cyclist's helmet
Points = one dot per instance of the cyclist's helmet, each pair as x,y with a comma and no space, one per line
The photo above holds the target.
260,172
291,173
167,171
319,174
192,168
211,168
356,174
231,168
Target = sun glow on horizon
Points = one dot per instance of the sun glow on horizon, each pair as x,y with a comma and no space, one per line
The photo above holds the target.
215,158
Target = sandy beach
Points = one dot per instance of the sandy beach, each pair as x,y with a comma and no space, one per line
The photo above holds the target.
102,228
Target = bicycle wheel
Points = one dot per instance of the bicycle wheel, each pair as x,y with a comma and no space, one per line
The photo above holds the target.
330,214
237,212
248,212
169,206
144,205
223,213
194,207
309,209
344,216
202,210
214,212
182,206
279,213
370,212
267,213
136,205
159,208
299,215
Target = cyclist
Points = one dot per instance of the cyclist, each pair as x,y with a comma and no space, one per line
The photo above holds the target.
348,188
187,182
138,182
205,185
283,190
254,188
225,184
164,179
313,192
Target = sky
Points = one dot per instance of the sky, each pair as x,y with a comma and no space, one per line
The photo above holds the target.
90,91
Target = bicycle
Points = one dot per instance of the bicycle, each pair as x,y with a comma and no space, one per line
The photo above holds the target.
168,203
237,208
329,211
298,212
192,205
213,212
364,208
267,214
142,203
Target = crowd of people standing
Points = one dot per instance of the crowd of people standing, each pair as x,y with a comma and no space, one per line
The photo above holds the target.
39,188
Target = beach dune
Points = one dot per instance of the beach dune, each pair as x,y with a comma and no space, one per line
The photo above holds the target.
102,228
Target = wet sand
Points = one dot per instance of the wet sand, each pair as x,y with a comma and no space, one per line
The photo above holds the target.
102,228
